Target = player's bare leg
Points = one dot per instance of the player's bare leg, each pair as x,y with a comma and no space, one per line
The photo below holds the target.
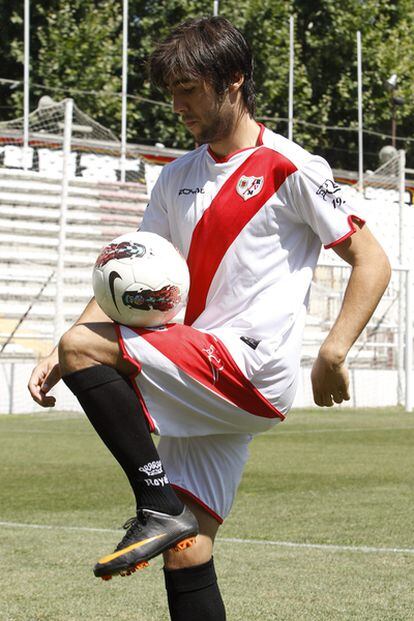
93,368
89,344
190,578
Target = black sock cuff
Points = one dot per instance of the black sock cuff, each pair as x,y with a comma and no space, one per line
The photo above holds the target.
85,379
190,579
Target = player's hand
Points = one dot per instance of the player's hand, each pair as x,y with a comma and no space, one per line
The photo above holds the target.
44,376
330,381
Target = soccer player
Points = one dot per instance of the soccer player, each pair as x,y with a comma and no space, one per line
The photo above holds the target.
249,210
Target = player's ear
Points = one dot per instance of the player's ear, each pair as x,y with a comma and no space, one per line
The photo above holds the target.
236,83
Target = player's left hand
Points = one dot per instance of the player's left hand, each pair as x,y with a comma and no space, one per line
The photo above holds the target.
44,376
330,381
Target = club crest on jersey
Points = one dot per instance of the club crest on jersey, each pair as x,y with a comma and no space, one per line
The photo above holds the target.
248,187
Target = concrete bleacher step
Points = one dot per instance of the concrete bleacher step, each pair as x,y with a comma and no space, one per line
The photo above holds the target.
93,202
53,187
14,198
39,312
31,257
40,274
17,242
21,177
76,209
21,207
16,291
101,230
31,213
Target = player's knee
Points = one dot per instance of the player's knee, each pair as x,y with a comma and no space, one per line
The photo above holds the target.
73,350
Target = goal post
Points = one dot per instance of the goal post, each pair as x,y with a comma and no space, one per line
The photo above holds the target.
59,321
409,392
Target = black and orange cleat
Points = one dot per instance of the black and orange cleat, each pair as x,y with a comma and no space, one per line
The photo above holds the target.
148,534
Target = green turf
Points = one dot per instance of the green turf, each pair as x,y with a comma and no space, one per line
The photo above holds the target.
343,478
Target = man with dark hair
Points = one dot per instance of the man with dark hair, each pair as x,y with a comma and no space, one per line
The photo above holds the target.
249,210
209,49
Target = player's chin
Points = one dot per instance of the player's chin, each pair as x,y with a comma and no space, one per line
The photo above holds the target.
199,137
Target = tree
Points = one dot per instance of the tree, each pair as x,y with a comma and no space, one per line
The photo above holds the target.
76,46
11,46
79,55
327,37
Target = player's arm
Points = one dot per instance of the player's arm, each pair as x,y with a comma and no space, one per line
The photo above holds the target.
369,278
46,373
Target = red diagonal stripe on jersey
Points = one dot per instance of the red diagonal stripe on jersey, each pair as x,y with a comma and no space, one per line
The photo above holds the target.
202,356
225,218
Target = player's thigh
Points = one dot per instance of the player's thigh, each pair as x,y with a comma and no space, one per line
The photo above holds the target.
88,344
202,550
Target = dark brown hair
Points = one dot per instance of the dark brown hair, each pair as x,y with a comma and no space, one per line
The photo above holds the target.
208,48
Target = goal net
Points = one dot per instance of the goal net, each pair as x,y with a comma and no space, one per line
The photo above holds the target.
95,150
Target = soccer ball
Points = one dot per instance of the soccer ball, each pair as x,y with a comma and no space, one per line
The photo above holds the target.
141,280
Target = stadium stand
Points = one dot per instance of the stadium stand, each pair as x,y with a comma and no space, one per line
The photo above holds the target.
98,211
29,228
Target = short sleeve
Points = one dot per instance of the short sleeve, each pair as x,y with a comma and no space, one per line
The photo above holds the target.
320,203
155,219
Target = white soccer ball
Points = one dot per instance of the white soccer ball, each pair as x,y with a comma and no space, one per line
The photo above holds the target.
141,280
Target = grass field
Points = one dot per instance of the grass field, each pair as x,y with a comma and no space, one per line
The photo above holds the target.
322,528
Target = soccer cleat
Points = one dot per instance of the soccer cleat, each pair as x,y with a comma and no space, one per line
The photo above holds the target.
148,534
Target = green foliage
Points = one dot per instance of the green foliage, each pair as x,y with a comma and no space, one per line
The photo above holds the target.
79,49
327,34
76,46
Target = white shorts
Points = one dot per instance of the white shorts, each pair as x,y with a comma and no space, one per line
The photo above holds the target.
203,406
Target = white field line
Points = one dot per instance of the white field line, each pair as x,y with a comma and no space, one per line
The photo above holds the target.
338,430
320,546
262,542
279,433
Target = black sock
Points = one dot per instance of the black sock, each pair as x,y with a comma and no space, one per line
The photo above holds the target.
113,408
193,594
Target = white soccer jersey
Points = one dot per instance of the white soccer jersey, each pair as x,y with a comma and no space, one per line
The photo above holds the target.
251,228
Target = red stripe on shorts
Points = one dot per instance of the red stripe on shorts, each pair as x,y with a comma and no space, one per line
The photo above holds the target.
196,499
225,218
133,376
204,358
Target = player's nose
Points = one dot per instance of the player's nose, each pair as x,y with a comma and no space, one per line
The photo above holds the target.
179,104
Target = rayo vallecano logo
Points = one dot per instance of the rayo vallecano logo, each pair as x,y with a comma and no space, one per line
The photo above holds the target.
248,187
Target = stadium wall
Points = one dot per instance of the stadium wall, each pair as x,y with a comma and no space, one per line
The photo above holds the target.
369,388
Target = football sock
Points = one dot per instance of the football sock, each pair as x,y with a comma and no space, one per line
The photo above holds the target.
193,593
113,408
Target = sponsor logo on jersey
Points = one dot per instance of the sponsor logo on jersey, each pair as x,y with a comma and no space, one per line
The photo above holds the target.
187,191
163,299
123,250
248,187
329,191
